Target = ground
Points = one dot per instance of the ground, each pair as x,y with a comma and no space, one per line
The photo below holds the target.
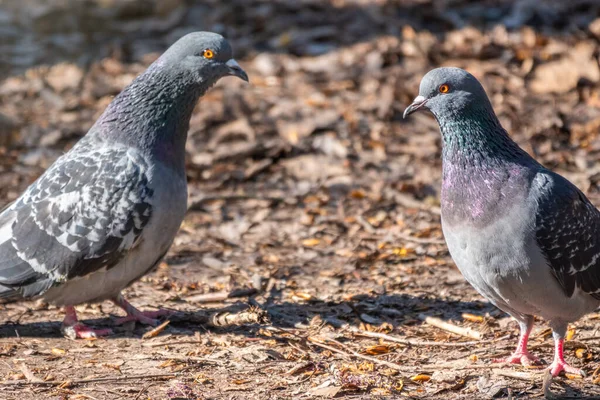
311,262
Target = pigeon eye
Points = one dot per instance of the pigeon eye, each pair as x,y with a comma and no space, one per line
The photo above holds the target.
208,53
444,88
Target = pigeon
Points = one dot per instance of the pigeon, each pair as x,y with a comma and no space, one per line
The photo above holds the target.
524,237
106,212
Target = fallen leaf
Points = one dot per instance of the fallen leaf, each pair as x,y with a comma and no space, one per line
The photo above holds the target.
311,242
472,317
420,378
378,349
58,352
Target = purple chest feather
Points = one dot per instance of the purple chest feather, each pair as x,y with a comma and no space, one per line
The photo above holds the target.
477,194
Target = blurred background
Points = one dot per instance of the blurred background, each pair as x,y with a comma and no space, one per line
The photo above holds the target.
307,185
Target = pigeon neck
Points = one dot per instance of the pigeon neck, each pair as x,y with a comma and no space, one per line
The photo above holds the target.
153,114
477,138
484,171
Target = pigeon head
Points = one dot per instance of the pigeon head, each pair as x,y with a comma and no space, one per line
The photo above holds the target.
450,93
153,113
204,56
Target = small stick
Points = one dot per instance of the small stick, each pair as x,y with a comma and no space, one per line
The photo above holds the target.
412,342
29,374
447,326
156,331
94,380
546,386
220,296
300,367
188,358
362,356
171,343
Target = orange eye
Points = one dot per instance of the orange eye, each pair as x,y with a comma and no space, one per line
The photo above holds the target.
444,88
208,53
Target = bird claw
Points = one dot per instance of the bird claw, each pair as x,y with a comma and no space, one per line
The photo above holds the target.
559,366
82,331
524,358
144,317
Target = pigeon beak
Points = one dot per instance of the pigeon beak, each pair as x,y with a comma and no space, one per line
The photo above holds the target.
236,70
417,104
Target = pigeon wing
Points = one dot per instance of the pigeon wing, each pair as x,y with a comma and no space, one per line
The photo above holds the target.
568,234
85,213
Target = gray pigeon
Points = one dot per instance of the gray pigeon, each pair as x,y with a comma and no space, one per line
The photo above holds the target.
106,212
525,237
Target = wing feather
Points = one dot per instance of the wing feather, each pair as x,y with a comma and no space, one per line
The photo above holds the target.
83,214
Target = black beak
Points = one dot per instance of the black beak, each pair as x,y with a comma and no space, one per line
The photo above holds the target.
236,70
416,105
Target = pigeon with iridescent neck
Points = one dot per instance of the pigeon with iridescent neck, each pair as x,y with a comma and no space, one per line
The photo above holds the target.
525,237
106,212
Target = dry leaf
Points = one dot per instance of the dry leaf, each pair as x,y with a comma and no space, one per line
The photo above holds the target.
311,242
420,378
358,194
58,352
472,317
378,349
380,392
302,296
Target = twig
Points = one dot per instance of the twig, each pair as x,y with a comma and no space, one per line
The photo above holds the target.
188,359
141,392
546,386
172,343
220,296
365,224
156,331
300,367
94,380
412,342
29,374
361,356
447,326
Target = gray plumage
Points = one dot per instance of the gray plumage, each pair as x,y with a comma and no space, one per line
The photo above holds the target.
525,237
107,211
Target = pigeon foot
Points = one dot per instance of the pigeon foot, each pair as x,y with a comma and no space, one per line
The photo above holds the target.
524,358
72,328
559,366
144,317
133,314
82,331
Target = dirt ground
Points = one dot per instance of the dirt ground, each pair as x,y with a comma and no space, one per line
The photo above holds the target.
311,262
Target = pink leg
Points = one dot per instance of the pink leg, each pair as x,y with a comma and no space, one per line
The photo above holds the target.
71,327
521,355
559,364
133,314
